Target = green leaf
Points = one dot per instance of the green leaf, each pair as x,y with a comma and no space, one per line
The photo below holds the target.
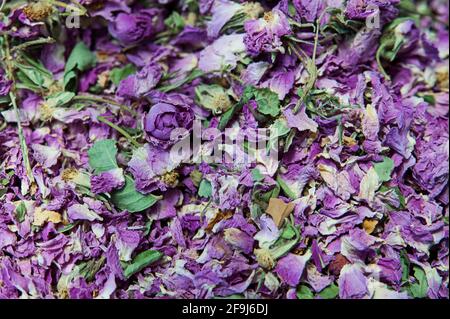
191,77
68,227
407,6
330,292
21,210
391,42
91,267
102,156
304,293
31,74
80,59
148,227
286,188
129,199
4,181
268,103
118,74
256,175
69,77
234,23
205,189
400,196
5,100
338,23
279,128
38,65
196,177
141,261
288,232
384,169
228,115
404,261
289,140
273,193
430,99
59,99
420,288
175,22
282,247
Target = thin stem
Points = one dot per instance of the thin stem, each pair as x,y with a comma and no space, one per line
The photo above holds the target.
202,213
3,126
81,10
235,77
316,39
302,25
23,143
380,65
105,101
12,96
294,39
120,130
310,65
31,43
301,58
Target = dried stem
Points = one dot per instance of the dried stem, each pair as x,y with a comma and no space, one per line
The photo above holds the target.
104,101
120,130
31,43
12,94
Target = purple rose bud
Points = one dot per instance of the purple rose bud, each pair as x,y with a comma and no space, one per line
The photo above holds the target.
171,114
131,28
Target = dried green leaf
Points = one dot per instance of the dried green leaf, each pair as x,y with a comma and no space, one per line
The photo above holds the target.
330,292
129,199
141,261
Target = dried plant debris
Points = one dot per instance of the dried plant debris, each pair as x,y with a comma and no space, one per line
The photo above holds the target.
118,172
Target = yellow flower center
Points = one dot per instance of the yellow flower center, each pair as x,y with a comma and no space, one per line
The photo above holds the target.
222,102
69,174
170,178
269,17
253,9
46,112
38,11
264,258
442,78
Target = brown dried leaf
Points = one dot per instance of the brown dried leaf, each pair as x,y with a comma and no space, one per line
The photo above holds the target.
221,215
42,215
369,225
337,264
279,210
